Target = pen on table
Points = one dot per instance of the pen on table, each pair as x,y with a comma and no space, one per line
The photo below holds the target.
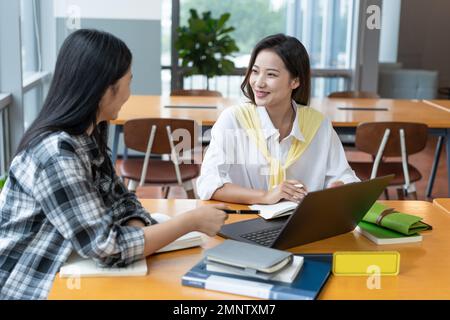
241,211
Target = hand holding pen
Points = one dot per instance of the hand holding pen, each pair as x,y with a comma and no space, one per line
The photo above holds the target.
292,190
229,211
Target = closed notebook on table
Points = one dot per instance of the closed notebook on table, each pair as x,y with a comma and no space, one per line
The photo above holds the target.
248,257
77,266
287,274
380,235
384,225
307,285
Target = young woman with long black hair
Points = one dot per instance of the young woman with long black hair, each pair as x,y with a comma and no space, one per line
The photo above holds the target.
62,193
274,147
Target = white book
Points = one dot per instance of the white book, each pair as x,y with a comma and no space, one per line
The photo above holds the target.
388,237
287,274
276,210
77,266
189,240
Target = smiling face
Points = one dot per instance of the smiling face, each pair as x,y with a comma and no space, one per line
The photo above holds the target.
114,98
271,82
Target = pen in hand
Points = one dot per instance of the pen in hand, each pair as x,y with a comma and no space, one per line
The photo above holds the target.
229,211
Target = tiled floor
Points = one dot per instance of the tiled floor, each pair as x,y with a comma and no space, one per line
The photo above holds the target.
422,161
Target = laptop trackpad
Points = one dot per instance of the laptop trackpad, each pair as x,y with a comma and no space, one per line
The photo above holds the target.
235,230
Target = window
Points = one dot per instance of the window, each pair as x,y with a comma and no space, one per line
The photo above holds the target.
252,19
166,45
22,68
30,38
32,74
325,27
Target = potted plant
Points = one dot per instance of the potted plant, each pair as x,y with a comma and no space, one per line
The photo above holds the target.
205,45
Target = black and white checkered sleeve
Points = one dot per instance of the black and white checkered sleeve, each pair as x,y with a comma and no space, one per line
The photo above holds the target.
127,204
77,211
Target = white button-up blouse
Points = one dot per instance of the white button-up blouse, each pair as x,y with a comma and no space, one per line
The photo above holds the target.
232,157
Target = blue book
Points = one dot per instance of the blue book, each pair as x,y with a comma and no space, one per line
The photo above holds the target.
307,286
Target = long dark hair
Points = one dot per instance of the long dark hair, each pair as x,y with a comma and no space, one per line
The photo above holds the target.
296,60
88,63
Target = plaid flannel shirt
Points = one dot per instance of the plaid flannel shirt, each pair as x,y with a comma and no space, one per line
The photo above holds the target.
60,196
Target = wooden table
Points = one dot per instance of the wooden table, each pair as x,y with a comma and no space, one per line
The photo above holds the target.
344,121
435,114
207,111
423,272
442,104
443,204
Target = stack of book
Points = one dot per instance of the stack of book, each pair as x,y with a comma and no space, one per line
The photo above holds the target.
383,225
261,272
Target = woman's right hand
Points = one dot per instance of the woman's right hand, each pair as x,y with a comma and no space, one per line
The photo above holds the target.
291,190
209,219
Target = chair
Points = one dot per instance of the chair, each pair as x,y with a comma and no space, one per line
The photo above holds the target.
354,95
157,136
408,83
201,93
391,139
348,140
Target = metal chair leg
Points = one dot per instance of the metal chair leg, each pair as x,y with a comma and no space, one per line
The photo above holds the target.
400,193
165,191
437,155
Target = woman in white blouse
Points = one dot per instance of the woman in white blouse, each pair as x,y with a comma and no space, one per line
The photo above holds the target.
274,147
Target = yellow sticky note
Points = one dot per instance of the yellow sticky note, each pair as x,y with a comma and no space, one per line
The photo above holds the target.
364,263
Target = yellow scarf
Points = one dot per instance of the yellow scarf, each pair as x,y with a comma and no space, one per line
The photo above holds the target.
309,121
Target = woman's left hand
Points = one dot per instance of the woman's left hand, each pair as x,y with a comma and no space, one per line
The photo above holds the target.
336,184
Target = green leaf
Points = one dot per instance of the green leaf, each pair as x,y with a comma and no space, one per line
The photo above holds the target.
205,44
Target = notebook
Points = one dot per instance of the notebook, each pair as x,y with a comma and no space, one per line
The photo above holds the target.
307,285
276,210
77,266
394,220
380,235
287,274
189,240
250,258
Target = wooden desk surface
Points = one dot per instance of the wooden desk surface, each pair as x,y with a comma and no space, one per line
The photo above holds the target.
423,272
398,110
443,204
155,107
440,104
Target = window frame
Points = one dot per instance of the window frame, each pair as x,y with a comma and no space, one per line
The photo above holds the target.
177,73
13,84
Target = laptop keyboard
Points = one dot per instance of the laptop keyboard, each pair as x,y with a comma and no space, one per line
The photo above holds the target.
263,237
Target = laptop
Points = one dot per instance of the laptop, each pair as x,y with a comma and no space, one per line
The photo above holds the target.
321,214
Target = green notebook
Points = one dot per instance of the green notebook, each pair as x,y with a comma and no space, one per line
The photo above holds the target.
384,225
381,235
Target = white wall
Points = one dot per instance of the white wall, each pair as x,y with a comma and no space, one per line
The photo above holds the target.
112,9
424,41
